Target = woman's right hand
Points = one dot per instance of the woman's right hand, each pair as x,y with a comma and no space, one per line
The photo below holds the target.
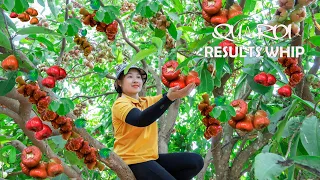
174,92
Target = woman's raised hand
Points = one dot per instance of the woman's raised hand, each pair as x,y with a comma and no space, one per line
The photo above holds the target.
174,92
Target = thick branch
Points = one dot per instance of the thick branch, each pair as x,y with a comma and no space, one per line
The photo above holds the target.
9,113
207,160
11,104
314,69
166,125
244,155
242,3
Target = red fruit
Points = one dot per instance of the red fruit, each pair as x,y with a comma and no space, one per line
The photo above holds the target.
192,78
241,108
62,74
13,15
285,91
214,130
232,123
31,156
54,167
34,124
206,16
220,18
10,63
39,171
295,78
25,169
44,133
211,6
245,124
165,81
53,71
228,44
261,78
234,10
169,70
44,102
271,80
178,82
49,82
112,28
260,122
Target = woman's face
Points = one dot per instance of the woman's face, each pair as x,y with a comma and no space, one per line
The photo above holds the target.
131,84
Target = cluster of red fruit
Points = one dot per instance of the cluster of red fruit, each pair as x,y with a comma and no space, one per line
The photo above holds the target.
213,127
42,102
31,165
55,73
293,71
83,150
83,43
65,124
10,63
247,122
213,12
265,79
25,16
110,29
172,77
286,16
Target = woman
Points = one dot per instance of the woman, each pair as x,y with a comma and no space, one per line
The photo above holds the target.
136,132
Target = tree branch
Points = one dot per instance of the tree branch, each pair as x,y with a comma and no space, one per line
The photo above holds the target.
10,38
9,113
11,104
91,97
63,46
242,3
244,155
207,160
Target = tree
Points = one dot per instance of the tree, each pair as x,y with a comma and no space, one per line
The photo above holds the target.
150,33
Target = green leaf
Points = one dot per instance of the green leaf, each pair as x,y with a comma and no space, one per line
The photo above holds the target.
239,85
9,4
315,40
46,42
141,5
279,70
236,19
308,103
98,69
158,43
54,106
33,75
310,163
99,15
63,110
67,102
220,62
249,6
230,109
173,31
63,28
178,6
72,158
20,6
12,155
52,7
41,3
75,22
224,117
257,87
267,166
275,118
4,41
207,83
4,139
59,141
37,30
159,33
220,100
310,135
95,4
200,43
104,153
282,124
216,112
80,123
154,6
8,84
140,55
292,124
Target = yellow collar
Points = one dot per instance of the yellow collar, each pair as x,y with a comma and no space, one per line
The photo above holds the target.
133,100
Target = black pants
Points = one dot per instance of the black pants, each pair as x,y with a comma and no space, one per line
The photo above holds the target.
171,166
